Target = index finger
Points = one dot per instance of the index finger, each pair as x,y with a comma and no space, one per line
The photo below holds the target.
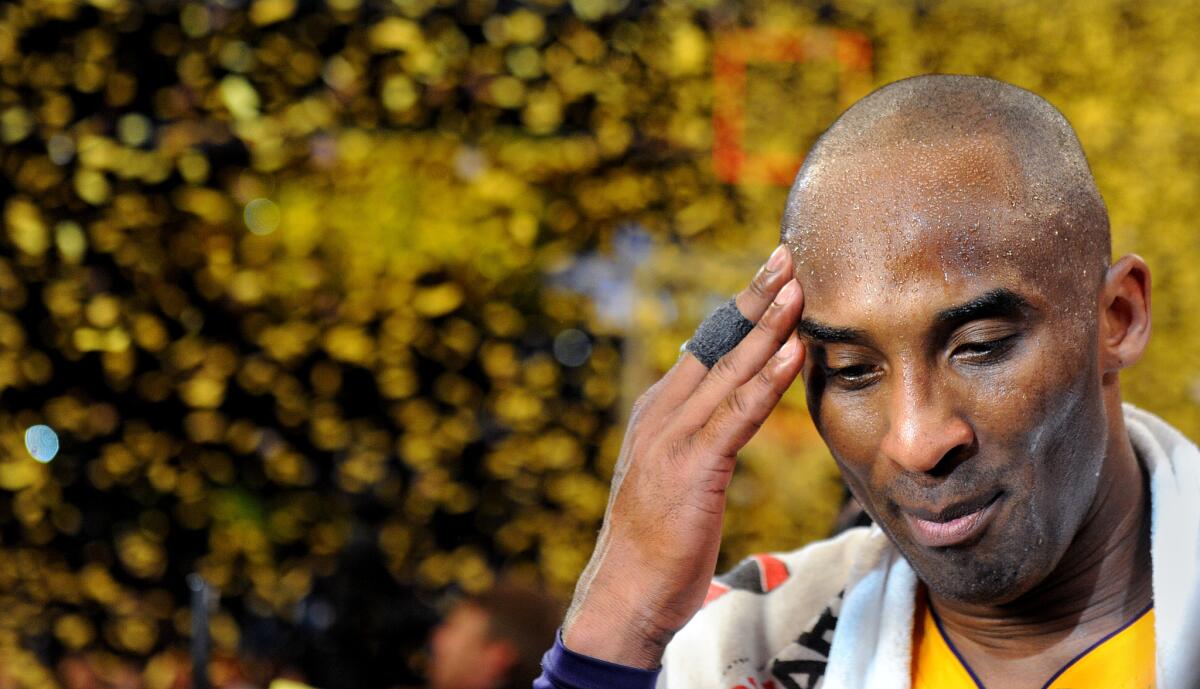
758,295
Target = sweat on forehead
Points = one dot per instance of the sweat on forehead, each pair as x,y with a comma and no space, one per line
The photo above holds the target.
968,165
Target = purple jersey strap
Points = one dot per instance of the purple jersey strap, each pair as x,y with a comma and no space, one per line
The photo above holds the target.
563,668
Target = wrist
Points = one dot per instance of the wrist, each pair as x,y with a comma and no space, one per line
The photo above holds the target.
616,633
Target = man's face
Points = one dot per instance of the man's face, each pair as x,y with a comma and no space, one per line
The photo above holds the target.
952,368
463,653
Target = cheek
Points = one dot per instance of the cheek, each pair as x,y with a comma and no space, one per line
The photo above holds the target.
1042,429
1069,441
851,427
1040,405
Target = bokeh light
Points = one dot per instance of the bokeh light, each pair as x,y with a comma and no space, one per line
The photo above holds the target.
572,347
42,442
262,216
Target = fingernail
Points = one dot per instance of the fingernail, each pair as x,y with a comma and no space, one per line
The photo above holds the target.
787,350
787,293
775,262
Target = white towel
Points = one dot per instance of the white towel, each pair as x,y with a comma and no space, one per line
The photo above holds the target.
838,614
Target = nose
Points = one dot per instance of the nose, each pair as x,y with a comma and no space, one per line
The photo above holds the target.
924,430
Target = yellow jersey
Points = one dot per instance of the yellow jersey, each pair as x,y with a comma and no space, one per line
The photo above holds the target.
1121,660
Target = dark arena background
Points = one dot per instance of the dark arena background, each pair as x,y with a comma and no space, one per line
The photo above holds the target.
337,307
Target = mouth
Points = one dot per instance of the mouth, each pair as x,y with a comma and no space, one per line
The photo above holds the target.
953,525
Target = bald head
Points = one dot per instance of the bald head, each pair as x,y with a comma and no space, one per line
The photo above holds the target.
966,167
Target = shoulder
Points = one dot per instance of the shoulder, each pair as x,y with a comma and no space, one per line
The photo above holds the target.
762,583
767,603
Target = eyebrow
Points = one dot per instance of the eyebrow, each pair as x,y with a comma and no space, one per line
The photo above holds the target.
997,303
830,334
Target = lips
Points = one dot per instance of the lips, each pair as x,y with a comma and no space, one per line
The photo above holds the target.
952,525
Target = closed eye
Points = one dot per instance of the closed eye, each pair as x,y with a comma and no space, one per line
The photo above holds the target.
986,351
853,377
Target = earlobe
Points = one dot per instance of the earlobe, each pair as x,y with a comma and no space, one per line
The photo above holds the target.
1124,313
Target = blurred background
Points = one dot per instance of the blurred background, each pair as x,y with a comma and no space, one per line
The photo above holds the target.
339,304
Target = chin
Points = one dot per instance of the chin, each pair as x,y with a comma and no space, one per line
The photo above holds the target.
982,574
977,584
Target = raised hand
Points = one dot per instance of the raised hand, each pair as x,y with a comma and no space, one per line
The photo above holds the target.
657,550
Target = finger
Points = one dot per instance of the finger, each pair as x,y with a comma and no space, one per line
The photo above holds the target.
743,411
748,358
683,378
668,393
774,274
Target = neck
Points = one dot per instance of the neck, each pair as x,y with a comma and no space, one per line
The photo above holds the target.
1102,581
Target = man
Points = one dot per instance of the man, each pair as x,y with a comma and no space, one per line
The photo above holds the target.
945,291
493,640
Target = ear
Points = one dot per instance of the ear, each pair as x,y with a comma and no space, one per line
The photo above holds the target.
1124,314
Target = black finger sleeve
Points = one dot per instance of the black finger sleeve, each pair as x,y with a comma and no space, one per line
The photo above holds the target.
719,334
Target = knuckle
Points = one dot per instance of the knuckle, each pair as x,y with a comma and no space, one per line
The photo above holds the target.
772,321
725,369
766,334
766,324
676,454
756,423
774,383
758,286
710,435
738,403
765,379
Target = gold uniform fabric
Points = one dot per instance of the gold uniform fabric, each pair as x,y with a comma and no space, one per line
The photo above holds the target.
1124,660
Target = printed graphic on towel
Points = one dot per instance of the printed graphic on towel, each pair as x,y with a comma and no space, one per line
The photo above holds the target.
757,574
802,664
